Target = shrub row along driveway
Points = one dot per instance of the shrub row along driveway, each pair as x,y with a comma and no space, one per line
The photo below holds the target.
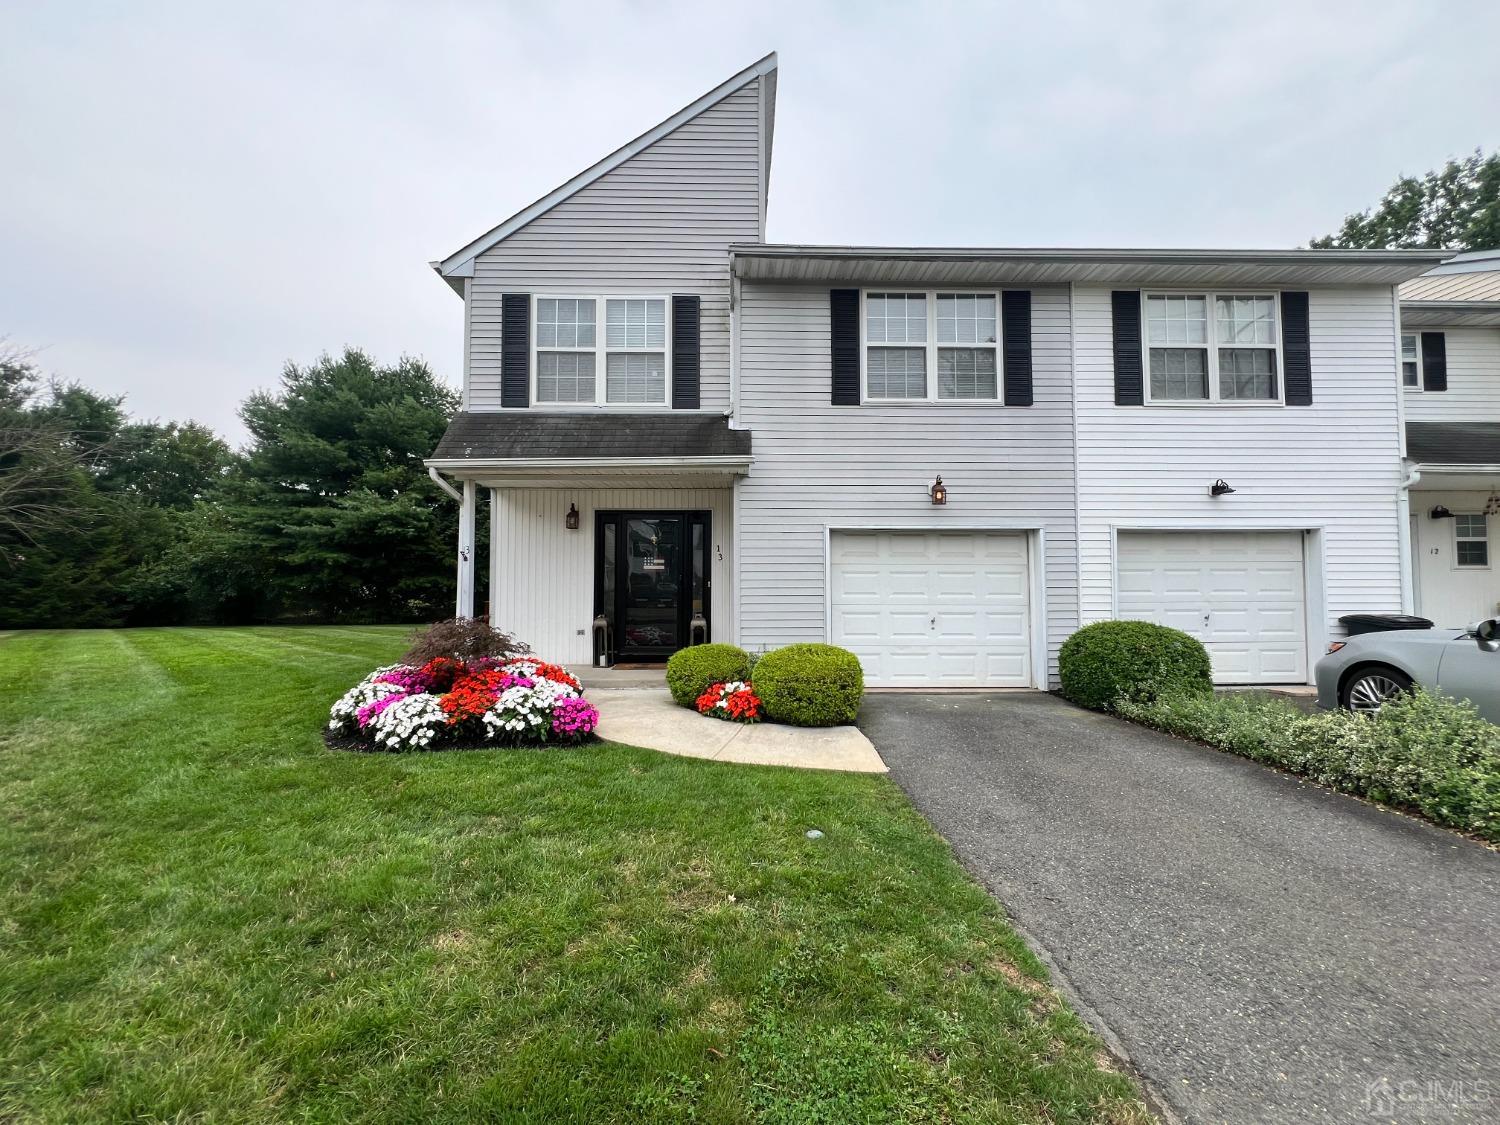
1262,949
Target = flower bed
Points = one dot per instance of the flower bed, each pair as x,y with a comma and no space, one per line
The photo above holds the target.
448,703
733,701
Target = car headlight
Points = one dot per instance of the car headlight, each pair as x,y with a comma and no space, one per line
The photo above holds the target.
1334,646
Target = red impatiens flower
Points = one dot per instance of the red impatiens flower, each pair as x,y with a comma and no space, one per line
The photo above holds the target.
733,701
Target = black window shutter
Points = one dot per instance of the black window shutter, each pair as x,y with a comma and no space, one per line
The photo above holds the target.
1125,311
515,349
1434,361
685,352
843,334
1296,348
1015,321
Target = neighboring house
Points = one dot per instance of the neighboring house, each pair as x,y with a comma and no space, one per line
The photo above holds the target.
688,432
1450,362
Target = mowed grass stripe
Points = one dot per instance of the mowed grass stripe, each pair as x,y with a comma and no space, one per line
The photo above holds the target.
208,914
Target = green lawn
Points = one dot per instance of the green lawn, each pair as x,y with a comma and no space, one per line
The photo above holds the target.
206,914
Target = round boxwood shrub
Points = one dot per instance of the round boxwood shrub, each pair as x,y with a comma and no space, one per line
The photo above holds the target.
1135,659
810,685
692,671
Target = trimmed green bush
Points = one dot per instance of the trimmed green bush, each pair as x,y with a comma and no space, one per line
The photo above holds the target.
1112,660
810,685
1421,751
692,671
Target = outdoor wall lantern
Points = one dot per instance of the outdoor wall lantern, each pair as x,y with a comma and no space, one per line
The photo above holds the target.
1440,513
1220,487
571,521
939,491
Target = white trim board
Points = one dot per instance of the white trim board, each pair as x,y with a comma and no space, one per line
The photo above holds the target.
461,262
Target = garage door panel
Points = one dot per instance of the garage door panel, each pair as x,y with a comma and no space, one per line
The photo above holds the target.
933,608
1239,592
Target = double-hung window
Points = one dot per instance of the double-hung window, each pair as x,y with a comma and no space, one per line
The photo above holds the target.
1212,347
931,346
1471,543
630,352
1411,361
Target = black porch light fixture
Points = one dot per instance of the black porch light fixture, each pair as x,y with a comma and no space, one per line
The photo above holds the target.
1220,487
1440,513
571,520
939,491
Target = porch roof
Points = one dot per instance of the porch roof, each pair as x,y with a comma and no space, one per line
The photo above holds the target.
598,443
1453,445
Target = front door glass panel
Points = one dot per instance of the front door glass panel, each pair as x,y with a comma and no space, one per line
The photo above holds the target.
649,606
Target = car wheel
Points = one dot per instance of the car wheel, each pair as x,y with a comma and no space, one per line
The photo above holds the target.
1367,690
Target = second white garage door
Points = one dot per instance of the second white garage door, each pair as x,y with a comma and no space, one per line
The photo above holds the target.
1239,592
933,608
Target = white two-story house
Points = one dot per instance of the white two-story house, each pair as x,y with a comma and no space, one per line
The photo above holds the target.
945,460
1450,373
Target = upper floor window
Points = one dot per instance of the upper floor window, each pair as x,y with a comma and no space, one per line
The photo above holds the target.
1232,355
631,351
1411,361
1471,546
911,336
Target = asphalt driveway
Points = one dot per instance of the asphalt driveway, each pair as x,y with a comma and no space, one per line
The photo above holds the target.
1258,948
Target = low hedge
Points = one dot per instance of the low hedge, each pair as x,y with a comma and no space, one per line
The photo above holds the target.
692,671
810,685
1421,751
1110,660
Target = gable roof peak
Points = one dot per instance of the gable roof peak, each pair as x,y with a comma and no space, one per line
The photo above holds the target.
461,262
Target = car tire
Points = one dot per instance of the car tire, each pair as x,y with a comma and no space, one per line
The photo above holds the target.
1367,690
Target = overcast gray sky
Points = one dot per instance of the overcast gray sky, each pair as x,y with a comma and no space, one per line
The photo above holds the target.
192,194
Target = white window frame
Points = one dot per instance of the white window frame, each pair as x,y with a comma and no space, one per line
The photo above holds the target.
601,352
1457,538
1401,361
931,346
1211,296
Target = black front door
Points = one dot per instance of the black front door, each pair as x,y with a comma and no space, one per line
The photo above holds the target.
651,580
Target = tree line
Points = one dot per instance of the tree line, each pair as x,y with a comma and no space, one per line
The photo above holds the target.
326,515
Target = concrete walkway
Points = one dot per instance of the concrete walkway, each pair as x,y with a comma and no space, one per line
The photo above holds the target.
642,714
1260,949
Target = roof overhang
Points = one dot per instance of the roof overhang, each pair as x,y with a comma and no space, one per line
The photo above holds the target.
461,262
1456,478
597,472
1450,314
960,266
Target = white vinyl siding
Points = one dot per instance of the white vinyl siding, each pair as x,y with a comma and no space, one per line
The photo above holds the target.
819,465
1450,595
1333,468
1473,393
661,223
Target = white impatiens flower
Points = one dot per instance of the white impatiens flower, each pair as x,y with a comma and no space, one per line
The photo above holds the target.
342,716
409,724
522,709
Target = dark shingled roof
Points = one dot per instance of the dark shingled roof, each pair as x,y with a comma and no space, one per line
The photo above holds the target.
528,435
1453,443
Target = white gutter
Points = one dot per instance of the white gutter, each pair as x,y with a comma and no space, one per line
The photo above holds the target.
643,463
444,485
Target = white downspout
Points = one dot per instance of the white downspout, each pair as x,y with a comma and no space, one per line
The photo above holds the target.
437,479
1403,538
734,348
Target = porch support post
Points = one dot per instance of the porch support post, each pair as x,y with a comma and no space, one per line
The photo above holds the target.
465,607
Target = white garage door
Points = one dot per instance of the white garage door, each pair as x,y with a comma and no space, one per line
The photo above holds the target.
933,608
1239,592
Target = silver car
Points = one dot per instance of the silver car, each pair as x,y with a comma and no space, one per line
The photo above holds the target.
1362,672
